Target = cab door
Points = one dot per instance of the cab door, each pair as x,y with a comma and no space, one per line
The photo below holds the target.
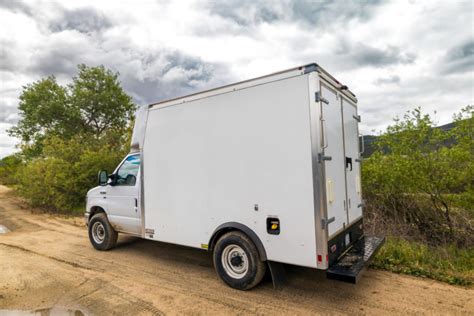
333,159
122,196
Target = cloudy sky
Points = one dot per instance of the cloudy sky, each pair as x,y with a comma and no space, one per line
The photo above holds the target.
393,55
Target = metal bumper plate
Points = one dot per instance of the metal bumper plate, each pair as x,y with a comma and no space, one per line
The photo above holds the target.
349,267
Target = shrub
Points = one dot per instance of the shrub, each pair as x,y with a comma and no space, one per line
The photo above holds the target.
60,180
420,180
9,167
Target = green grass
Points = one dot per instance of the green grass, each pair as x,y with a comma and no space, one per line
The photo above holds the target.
447,264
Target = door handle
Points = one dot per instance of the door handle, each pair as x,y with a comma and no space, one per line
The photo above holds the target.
103,192
349,162
136,205
324,141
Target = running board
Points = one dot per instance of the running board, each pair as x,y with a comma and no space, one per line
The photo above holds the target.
350,265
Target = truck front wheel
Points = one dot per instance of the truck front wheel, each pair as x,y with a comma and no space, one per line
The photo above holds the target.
237,261
101,234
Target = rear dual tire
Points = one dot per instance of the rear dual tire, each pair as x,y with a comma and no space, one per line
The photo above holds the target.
237,261
101,234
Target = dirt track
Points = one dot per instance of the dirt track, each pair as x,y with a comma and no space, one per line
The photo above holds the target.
47,261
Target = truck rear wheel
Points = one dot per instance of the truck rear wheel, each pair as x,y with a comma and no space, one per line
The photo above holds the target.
237,261
101,234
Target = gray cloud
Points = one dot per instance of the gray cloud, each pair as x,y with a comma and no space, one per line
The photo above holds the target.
387,80
8,114
244,13
16,6
61,59
459,59
365,55
7,55
171,74
148,76
84,20
321,13
328,12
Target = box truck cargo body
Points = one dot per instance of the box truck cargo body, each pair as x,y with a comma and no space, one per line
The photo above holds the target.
265,170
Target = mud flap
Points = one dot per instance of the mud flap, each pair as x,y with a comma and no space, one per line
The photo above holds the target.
349,266
277,271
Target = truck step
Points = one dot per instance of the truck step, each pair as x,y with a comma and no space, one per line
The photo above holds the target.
349,267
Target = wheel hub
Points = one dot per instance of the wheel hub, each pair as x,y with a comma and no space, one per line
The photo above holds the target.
98,232
235,261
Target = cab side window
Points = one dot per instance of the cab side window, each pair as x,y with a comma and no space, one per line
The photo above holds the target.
128,171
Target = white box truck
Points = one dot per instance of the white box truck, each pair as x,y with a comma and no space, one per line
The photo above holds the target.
260,172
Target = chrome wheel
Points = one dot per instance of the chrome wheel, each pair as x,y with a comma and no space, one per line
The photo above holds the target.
235,261
98,232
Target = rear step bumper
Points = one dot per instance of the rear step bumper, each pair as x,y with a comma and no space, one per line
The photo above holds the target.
349,267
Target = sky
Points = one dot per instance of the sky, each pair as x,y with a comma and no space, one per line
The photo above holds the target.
394,55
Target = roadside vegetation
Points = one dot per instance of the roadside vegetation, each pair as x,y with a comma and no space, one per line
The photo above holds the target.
418,183
67,134
447,263
419,191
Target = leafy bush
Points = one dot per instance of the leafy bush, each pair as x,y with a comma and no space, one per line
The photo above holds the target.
420,180
60,180
9,167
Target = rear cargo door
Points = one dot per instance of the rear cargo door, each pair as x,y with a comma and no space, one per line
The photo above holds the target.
351,146
333,159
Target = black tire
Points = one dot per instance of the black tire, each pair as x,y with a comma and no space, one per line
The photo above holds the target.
101,234
241,273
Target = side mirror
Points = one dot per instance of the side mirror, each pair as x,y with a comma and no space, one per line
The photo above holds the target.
103,177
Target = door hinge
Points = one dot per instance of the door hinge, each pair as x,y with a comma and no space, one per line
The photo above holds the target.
326,222
319,98
356,117
321,157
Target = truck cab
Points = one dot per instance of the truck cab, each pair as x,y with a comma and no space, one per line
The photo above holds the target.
117,196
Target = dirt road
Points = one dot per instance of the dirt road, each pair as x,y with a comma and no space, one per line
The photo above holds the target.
47,261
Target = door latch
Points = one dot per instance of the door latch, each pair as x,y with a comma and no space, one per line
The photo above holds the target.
326,222
321,157
349,162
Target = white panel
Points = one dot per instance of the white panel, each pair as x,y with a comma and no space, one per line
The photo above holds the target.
351,142
209,161
334,168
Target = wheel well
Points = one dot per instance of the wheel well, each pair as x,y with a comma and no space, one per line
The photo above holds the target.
95,210
228,227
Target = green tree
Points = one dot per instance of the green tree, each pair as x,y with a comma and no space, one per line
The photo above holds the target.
93,104
69,133
43,111
98,100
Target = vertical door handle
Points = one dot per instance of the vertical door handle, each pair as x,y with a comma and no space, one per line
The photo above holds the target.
136,205
324,141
